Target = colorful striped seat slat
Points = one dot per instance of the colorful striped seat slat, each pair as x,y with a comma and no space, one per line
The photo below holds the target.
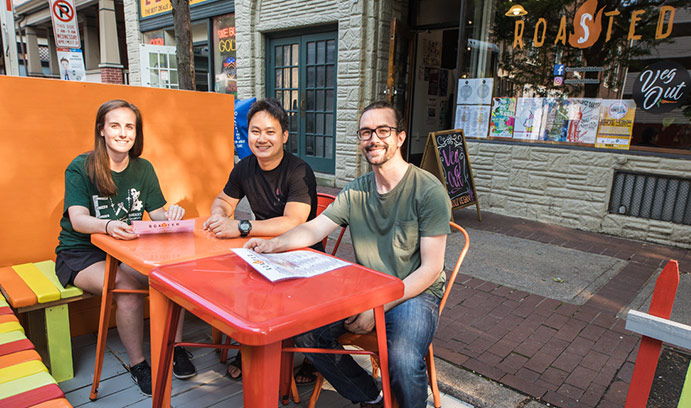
6,311
19,294
8,318
47,268
15,346
21,370
32,397
41,286
54,403
11,359
11,326
24,384
11,336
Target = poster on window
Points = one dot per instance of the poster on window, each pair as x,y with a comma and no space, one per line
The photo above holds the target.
528,118
225,79
555,120
475,91
584,116
473,119
616,123
71,64
502,120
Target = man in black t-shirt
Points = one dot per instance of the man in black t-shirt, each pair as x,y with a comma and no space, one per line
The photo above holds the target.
280,187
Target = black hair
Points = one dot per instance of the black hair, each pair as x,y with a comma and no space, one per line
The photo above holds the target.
273,108
385,105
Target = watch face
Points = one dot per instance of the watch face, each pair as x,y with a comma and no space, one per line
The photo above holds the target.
245,227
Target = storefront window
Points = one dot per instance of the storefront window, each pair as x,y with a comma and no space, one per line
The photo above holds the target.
224,54
155,37
582,72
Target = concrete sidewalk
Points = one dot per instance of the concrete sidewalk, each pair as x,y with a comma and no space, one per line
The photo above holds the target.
538,312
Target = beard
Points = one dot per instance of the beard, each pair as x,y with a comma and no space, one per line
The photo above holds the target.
382,157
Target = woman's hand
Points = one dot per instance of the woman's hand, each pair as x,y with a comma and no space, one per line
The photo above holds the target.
175,212
120,230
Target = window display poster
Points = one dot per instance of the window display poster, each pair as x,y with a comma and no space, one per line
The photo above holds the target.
476,91
225,79
584,116
555,120
502,120
616,123
528,118
473,119
71,64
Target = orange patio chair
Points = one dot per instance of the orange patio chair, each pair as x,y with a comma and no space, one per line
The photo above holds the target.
369,341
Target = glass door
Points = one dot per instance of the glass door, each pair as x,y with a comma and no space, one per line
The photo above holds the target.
302,76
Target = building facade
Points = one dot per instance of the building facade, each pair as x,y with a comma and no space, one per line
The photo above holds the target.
556,99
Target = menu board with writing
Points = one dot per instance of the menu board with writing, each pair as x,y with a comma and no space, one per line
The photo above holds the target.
446,156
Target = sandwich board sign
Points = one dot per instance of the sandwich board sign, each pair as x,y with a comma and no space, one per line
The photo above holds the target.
446,156
65,28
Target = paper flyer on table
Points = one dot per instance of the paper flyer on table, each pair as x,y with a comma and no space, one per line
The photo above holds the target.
162,227
294,264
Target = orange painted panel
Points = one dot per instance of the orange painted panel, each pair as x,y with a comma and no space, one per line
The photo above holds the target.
188,137
18,292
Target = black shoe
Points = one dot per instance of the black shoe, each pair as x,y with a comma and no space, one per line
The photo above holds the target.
141,374
379,404
182,366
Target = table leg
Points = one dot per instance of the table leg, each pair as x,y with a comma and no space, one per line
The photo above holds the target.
163,367
160,309
104,320
260,379
286,372
383,354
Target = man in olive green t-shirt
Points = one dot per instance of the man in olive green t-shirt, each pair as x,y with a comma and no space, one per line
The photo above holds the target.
399,218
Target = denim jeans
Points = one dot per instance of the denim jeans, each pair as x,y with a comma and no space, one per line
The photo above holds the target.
410,328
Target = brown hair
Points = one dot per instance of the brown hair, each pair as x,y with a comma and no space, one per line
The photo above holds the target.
98,162
385,105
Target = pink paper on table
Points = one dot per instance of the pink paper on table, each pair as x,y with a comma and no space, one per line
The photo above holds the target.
162,227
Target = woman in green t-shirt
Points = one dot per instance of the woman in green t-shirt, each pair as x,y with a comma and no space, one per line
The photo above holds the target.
105,190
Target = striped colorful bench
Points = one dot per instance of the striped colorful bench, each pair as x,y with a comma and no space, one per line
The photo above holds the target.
34,289
24,379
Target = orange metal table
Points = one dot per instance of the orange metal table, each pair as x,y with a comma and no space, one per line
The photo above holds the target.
143,254
227,293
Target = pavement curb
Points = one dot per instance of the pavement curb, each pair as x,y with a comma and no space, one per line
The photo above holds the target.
479,391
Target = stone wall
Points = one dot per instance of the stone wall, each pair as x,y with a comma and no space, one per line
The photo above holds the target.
569,187
134,38
363,44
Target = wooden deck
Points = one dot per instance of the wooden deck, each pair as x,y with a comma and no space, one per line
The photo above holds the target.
209,388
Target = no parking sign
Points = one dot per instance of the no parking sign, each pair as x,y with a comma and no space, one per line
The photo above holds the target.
65,27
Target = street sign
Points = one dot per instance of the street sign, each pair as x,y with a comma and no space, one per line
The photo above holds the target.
65,27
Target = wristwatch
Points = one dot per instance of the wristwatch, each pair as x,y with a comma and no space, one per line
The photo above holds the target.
245,227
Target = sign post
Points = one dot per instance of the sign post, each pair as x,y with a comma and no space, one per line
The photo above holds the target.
9,40
446,156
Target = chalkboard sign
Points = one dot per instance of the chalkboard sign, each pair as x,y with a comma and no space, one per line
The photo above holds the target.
446,156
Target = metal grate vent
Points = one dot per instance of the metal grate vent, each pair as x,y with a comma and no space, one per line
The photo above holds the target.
651,196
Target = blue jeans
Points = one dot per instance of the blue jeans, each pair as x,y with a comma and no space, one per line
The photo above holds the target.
410,328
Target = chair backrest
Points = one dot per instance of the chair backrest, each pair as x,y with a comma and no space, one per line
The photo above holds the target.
451,279
323,201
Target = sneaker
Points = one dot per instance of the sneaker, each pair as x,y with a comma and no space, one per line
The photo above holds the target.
141,374
182,366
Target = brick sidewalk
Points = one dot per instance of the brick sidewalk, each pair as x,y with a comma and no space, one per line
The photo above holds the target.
563,354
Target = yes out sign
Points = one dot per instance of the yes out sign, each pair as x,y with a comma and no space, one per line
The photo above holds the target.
661,87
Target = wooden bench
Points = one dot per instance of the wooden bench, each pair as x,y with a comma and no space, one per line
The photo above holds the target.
24,379
33,290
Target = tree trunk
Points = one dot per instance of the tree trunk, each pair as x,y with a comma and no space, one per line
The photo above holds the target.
183,40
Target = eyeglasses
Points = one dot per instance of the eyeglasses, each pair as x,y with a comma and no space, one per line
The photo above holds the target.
382,132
